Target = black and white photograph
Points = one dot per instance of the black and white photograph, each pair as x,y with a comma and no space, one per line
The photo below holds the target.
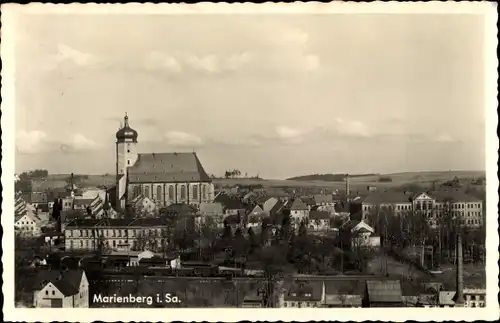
309,159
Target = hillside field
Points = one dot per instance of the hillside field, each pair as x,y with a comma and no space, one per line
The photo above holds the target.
424,179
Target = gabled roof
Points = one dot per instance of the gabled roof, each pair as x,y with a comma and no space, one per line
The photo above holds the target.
230,202
308,200
319,215
344,287
82,202
38,197
323,199
68,282
167,167
211,208
386,197
256,210
298,205
453,196
302,291
384,291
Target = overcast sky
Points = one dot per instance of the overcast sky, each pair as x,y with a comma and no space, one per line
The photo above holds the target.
275,95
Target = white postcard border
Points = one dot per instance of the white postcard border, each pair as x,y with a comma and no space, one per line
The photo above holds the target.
11,313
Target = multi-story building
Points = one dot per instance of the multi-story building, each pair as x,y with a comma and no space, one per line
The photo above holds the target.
110,234
166,178
395,202
430,205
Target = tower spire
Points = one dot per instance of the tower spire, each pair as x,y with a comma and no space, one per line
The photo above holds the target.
126,119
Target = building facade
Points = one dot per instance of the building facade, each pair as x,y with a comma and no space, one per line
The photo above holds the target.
430,205
112,234
166,178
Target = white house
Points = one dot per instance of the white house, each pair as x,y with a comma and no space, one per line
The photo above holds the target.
319,220
68,289
298,211
28,225
363,235
144,205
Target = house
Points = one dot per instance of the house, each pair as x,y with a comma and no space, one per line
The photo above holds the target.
474,297
343,293
230,204
319,220
67,289
143,206
301,294
309,201
362,235
397,203
28,224
211,209
298,211
383,293
37,198
269,204
254,217
323,200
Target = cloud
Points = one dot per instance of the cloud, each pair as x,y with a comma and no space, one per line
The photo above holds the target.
351,128
445,138
279,48
290,135
177,62
79,142
66,53
30,142
183,139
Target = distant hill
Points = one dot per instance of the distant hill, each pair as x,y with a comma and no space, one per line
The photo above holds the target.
327,177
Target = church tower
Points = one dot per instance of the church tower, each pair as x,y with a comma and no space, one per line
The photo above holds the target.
126,156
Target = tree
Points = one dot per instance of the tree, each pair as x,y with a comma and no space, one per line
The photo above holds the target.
252,240
273,261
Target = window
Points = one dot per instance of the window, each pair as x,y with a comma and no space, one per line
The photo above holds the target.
159,193
146,191
128,161
46,292
53,292
204,192
195,192
171,192
183,192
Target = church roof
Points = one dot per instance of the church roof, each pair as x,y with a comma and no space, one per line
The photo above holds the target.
167,167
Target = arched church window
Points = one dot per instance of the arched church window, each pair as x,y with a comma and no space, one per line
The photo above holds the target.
204,191
159,195
183,192
137,191
146,192
195,192
171,193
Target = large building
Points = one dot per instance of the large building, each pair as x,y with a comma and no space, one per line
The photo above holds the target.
165,178
431,205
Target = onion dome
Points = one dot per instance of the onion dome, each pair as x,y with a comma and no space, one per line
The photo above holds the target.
126,133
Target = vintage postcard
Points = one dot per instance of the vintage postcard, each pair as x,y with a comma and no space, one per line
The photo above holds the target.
279,162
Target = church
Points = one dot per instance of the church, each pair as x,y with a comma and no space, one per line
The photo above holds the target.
166,178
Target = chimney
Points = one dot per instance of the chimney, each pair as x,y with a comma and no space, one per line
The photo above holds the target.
459,295
347,187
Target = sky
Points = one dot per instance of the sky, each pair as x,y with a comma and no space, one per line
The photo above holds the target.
274,95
